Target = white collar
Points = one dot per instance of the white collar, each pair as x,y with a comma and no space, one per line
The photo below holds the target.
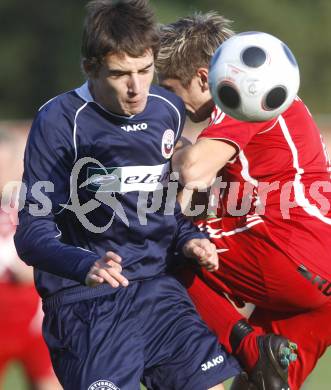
84,92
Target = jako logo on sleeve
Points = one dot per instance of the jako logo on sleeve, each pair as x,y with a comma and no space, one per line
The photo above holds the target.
212,363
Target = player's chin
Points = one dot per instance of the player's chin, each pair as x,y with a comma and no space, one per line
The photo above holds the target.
136,107
196,117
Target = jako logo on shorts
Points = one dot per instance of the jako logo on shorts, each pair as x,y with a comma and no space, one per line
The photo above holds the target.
212,363
103,384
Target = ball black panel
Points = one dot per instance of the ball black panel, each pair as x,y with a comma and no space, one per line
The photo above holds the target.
228,96
275,98
289,55
253,56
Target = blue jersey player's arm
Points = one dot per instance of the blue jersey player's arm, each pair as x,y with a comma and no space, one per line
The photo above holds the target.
49,157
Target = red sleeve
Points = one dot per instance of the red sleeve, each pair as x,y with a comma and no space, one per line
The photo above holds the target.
237,133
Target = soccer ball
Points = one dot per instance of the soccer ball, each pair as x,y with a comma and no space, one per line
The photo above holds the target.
253,76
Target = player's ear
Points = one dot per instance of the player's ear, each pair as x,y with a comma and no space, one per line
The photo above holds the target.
90,68
202,74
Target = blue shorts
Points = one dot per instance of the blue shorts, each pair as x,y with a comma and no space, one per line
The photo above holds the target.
149,331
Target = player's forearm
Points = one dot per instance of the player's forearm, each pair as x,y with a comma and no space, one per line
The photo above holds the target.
192,172
37,244
199,164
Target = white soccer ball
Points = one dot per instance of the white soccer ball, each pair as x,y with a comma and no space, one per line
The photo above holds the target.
253,76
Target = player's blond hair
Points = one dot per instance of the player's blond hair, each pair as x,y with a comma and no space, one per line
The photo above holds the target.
189,43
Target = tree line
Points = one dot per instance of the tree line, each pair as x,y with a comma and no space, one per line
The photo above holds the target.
40,44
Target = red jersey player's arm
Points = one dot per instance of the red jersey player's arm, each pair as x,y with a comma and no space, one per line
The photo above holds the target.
198,164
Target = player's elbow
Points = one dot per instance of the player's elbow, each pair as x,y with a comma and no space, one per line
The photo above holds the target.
23,247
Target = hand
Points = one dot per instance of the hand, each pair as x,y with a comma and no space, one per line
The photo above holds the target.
203,251
107,270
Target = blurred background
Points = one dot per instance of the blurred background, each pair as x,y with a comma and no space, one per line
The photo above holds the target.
40,44
40,58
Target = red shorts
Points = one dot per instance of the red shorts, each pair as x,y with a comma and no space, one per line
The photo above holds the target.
253,269
20,331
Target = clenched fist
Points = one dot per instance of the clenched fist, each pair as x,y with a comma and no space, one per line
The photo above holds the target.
203,251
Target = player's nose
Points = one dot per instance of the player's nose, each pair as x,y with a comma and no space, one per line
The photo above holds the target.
134,84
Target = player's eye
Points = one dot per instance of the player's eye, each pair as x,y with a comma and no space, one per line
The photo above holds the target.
116,74
146,70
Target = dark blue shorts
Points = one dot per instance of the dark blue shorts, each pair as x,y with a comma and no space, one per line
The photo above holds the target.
146,332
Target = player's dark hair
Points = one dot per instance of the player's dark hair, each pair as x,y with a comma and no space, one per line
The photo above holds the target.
118,26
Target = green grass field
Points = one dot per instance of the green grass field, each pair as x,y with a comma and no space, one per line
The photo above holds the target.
319,380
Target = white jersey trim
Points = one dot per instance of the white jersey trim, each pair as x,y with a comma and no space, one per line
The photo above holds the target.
218,233
74,135
269,128
174,107
60,233
216,117
299,193
74,138
45,104
245,170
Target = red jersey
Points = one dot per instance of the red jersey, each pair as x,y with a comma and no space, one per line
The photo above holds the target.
280,176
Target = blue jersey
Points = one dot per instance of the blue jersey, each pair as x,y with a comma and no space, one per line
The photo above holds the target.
95,181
